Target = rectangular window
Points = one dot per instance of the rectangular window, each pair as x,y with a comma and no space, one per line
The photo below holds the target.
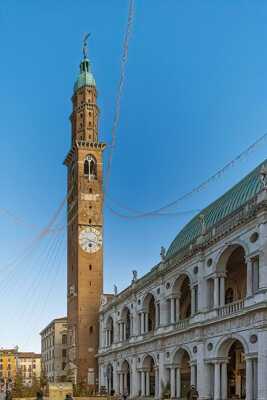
64,339
255,274
64,353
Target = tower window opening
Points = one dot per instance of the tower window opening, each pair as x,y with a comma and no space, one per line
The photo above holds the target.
90,221
91,329
90,167
90,267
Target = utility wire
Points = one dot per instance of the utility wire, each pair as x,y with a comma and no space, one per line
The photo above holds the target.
119,92
202,186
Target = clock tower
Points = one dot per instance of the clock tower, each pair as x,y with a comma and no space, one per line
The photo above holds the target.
85,220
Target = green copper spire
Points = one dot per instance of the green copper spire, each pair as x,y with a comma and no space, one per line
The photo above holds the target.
85,77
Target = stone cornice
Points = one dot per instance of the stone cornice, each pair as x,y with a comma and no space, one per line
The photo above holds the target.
83,144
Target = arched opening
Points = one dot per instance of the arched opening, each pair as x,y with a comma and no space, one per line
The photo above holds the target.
110,386
180,302
185,299
149,371
149,313
126,378
126,323
110,331
182,374
236,371
90,167
236,276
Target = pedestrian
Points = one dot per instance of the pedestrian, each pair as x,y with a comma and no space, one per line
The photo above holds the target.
192,393
125,395
39,395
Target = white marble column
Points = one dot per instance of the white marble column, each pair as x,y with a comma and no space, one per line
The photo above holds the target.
203,373
177,301
222,291
147,384
216,292
249,277
115,379
172,310
262,364
162,374
143,384
121,382
156,383
249,380
224,381
193,374
193,300
178,382
217,381
173,383
142,323
146,322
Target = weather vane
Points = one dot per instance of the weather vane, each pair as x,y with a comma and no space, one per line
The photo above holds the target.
85,44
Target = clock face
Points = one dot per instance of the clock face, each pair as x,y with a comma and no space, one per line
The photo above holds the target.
90,240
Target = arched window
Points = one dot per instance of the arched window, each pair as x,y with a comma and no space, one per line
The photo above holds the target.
229,296
90,167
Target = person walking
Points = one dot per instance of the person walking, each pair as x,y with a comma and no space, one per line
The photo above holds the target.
192,394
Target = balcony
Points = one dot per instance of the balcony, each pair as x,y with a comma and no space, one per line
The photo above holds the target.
231,308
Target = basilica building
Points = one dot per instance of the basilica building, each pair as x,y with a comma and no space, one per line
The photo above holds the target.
199,317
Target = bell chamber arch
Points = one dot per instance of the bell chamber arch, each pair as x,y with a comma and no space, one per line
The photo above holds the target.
90,167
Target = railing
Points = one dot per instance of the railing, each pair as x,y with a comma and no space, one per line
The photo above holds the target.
231,308
183,323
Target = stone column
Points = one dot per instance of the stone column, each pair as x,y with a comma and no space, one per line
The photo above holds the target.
178,382
216,292
172,310
119,326
203,373
224,381
262,364
146,322
156,316
249,277
147,384
142,323
134,380
143,384
249,381
222,291
121,382
193,300
115,379
162,377
193,374
217,381
125,383
177,301
156,383
173,383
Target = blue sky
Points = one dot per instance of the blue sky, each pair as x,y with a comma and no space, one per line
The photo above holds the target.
195,96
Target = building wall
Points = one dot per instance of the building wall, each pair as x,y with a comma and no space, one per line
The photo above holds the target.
8,365
208,334
29,366
54,350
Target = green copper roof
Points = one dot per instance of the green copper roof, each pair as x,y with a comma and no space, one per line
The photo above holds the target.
85,77
236,197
